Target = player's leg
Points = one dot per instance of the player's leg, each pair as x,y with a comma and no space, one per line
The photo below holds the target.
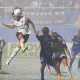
65,63
48,66
57,67
21,38
0,61
79,61
13,54
72,60
26,37
43,64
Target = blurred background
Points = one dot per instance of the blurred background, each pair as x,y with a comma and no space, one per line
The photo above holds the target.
62,16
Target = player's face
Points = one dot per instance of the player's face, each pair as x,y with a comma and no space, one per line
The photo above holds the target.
14,17
54,35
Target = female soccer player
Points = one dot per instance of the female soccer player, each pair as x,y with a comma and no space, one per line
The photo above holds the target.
2,44
22,23
59,37
60,56
46,50
75,48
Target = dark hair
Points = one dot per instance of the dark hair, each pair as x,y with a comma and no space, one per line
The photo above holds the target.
45,30
13,13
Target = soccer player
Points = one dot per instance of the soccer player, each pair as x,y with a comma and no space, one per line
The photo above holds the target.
60,38
22,23
2,44
75,48
46,50
59,48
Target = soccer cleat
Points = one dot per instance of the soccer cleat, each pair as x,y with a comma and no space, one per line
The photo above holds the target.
24,49
59,77
8,62
71,78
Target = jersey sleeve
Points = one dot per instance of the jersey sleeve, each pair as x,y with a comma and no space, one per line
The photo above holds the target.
60,37
29,21
39,37
73,38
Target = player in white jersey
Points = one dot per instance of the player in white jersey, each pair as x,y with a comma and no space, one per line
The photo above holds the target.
2,43
22,23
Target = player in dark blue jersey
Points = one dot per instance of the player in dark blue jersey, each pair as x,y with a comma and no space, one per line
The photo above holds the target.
75,50
46,50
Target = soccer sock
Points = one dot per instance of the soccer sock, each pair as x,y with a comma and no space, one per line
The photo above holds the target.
79,63
68,71
22,44
71,62
14,53
42,75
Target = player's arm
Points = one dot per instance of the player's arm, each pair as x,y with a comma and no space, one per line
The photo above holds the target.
60,37
74,41
7,25
29,21
67,51
3,43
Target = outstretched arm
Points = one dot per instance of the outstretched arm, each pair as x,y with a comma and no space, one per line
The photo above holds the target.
3,43
7,25
29,21
75,42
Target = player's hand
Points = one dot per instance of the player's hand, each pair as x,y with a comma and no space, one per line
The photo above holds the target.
3,24
36,32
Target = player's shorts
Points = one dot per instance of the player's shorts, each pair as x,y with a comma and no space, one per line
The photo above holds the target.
59,55
25,36
75,52
42,59
49,61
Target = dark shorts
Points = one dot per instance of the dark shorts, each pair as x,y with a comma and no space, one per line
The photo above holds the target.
75,51
25,36
49,61
60,55
60,59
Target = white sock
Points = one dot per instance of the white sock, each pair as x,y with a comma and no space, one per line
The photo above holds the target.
22,44
68,71
14,53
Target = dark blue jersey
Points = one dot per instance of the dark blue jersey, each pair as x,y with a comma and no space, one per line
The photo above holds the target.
76,39
45,42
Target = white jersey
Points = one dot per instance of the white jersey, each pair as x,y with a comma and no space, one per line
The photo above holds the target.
1,44
22,25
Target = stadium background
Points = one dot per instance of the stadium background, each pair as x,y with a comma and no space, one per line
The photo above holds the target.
63,16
